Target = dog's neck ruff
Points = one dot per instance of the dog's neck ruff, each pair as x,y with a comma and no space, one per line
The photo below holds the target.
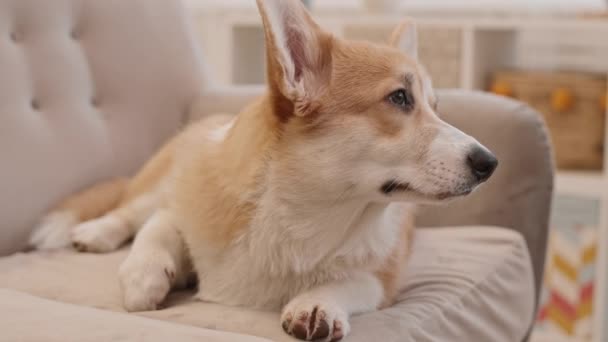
300,236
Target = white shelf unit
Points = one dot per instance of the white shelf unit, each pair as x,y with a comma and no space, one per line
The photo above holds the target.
233,43
588,183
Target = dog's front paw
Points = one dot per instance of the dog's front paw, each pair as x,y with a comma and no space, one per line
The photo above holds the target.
145,280
311,320
53,231
101,235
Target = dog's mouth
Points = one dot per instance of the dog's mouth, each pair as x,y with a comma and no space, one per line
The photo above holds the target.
393,187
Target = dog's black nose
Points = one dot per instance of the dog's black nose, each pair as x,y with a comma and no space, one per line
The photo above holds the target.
482,163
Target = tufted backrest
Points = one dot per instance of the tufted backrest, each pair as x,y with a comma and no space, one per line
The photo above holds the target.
88,90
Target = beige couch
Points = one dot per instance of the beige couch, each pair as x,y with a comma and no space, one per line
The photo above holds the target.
89,89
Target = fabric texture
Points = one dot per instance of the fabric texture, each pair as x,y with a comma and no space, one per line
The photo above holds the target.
462,284
34,319
89,90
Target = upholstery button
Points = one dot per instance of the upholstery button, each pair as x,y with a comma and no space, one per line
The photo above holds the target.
75,33
35,104
15,36
95,101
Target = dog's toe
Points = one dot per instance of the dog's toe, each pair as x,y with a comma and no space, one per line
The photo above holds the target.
101,235
53,231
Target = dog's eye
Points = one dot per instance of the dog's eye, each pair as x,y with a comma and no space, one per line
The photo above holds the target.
402,98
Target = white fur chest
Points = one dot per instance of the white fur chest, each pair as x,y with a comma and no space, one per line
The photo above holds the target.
287,251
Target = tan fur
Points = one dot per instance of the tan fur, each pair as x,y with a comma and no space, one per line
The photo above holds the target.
226,170
151,173
96,200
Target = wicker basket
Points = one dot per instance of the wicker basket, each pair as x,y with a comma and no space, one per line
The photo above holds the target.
574,107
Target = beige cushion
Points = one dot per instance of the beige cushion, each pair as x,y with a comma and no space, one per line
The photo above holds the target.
88,90
462,284
34,319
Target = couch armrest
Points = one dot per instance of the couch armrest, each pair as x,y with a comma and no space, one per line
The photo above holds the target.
519,195
223,100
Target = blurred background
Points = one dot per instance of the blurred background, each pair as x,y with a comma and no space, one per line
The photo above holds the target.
551,54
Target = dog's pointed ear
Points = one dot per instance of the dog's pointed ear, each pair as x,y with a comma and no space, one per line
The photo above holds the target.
298,54
405,38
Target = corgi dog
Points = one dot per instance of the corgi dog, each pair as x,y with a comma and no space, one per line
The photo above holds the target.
303,202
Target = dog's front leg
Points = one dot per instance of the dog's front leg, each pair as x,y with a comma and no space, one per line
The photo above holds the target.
156,264
322,313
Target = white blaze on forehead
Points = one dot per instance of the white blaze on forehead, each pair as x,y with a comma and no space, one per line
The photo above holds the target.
219,134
